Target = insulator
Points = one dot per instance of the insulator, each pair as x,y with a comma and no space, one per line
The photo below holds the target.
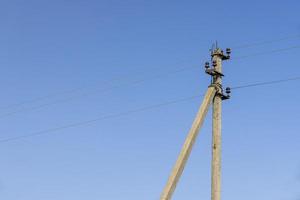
214,63
207,65
228,90
228,51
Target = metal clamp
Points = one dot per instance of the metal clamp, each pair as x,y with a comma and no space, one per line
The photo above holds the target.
220,92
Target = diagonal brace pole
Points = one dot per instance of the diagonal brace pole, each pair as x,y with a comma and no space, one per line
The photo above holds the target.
188,145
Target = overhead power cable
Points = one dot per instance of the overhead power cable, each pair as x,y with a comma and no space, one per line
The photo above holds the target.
265,42
142,109
109,81
134,82
266,52
266,83
97,90
99,119
37,99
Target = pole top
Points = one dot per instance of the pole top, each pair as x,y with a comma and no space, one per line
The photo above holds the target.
216,51
215,71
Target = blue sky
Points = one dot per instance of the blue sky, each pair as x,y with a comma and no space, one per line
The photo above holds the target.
50,47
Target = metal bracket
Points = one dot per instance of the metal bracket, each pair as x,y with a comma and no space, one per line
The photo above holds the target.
227,57
225,97
213,72
220,93
220,53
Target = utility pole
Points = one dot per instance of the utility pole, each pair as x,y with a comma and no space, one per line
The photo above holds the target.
217,58
188,145
213,95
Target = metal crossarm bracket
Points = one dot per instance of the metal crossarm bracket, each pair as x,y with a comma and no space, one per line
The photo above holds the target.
213,72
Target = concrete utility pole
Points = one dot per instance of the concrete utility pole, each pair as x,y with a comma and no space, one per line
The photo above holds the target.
214,94
217,58
188,144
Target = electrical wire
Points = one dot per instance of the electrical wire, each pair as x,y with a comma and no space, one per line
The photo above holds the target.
37,99
266,52
97,90
82,123
266,42
266,83
126,84
134,82
99,119
33,100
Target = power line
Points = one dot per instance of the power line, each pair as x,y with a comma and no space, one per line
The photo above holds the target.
267,52
266,42
266,83
82,123
55,94
159,76
120,77
134,82
33,100
100,118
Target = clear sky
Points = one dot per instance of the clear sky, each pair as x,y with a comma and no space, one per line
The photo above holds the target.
53,47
